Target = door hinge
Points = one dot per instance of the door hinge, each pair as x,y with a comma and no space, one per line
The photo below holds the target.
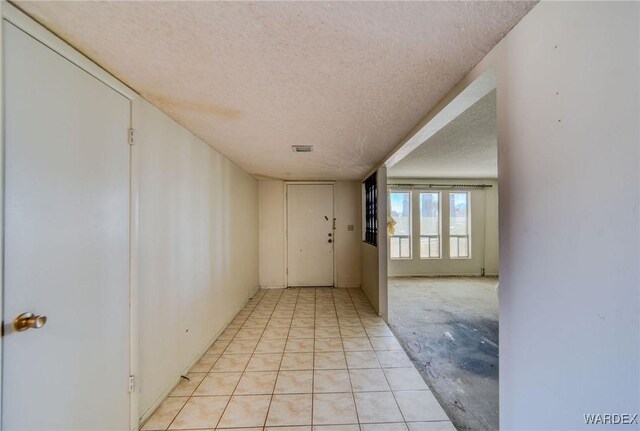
132,383
131,131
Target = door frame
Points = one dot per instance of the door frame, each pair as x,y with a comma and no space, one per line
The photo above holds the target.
286,227
18,18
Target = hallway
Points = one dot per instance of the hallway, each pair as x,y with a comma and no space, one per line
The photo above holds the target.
301,357
171,168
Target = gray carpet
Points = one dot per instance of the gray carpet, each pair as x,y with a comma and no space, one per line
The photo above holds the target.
449,328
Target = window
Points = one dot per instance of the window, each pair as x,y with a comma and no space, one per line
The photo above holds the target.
371,210
430,225
400,243
459,225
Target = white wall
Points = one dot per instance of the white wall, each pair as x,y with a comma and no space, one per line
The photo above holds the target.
568,144
484,234
491,232
569,161
198,248
568,156
272,232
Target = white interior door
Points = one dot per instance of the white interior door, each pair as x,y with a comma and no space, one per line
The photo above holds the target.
66,240
310,234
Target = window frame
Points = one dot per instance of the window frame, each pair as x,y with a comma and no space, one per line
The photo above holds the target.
371,210
468,235
410,235
439,193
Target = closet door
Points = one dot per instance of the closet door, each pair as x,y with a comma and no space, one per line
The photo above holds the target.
66,241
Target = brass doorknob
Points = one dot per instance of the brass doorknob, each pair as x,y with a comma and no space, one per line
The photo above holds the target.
27,321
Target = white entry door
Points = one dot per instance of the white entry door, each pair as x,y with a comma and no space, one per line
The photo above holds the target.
310,235
66,244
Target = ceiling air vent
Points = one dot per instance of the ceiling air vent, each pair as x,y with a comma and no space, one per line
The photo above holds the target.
302,148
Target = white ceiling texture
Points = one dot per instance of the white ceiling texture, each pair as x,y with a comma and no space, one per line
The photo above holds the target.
252,79
467,147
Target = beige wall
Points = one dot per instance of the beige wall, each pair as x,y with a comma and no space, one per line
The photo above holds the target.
198,248
272,233
370,278
347,245
271,210
484,234
374,258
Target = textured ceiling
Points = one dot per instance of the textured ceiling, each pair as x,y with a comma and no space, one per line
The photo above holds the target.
467,147
252,79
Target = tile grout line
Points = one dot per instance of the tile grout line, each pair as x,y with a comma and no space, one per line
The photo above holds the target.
207,373
384,374
242,373
353,395
313,361
342,308
250,357
393,393
273,394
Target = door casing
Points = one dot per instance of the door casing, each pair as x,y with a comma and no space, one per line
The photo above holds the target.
19,19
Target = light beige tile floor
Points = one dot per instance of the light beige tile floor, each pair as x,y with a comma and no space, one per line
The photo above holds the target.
297,359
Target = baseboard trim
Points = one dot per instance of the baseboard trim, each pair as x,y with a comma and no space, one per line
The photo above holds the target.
154,406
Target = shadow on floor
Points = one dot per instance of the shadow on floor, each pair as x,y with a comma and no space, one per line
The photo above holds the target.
449,328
